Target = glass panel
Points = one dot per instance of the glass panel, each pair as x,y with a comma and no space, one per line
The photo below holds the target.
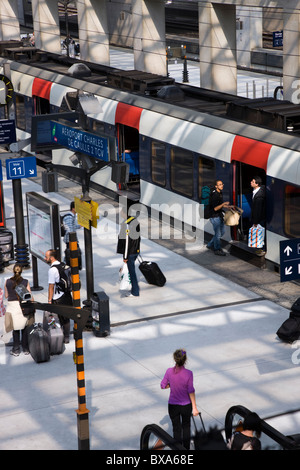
292,211
158,163
182,171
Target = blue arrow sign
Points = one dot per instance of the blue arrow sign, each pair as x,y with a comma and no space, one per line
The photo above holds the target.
21,168
290,259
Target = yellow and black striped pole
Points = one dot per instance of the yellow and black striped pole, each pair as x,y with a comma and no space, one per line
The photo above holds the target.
82,411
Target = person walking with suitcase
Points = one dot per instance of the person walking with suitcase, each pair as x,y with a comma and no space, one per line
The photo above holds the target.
182,401
55,295
129,246
19,321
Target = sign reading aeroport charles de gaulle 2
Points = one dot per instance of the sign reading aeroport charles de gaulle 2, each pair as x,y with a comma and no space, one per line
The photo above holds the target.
79,140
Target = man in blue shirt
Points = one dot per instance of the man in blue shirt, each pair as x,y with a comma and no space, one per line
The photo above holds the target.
71,225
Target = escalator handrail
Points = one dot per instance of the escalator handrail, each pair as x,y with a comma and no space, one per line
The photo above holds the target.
160,434
285,441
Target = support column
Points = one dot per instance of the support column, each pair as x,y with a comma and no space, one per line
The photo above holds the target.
46,25
249,32
291,55
9,21
149,43
93,31
217,47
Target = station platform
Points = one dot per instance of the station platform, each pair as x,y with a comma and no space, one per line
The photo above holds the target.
250,84
228,331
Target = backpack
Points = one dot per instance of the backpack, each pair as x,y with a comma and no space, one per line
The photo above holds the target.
62,226
65,282
206,193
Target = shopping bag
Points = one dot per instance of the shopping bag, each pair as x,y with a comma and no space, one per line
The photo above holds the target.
125,281
256,237
232,216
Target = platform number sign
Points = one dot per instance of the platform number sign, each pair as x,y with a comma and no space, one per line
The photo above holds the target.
21,168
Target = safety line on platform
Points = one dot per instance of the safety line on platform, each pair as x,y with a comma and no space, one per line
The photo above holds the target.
184,312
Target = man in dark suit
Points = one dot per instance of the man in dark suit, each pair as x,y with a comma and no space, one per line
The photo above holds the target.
258,211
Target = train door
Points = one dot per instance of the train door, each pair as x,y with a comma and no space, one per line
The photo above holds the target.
242,195
127,121
128,149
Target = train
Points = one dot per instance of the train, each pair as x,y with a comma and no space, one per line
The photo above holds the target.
175,138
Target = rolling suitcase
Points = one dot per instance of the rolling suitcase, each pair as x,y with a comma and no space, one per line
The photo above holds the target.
38,343
152,273
56,337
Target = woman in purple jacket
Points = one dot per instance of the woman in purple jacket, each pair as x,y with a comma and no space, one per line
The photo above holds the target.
182,401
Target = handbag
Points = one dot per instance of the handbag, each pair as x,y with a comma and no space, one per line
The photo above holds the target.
125,281
256,237
232,216
8,322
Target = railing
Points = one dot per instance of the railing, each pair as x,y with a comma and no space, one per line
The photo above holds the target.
153,437
285,442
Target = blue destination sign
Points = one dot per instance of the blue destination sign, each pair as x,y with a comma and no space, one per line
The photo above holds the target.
80,141
20,168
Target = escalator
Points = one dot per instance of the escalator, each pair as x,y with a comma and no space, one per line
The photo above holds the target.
154,438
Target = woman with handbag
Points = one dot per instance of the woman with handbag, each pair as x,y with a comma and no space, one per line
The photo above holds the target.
182,401
19,322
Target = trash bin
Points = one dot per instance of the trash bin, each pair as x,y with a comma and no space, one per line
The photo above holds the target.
100,314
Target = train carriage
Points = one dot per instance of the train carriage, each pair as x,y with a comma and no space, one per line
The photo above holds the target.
173,150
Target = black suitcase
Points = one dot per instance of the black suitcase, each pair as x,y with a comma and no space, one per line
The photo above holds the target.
211,440
290,329
38,342
152,273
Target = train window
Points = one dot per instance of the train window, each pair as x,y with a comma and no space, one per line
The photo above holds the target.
292,211
158,163
182,171
20,112
206,173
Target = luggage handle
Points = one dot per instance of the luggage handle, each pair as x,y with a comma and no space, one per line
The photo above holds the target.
200,416
140,258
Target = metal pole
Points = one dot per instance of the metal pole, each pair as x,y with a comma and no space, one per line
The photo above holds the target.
82,411
88,256
21,248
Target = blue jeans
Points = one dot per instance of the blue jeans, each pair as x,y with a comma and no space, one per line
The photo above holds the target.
219,229
135,290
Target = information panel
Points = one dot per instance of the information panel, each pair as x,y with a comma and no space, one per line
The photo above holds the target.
43,225
7,131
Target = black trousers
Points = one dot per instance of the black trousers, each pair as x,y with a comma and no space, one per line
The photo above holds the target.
180,416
